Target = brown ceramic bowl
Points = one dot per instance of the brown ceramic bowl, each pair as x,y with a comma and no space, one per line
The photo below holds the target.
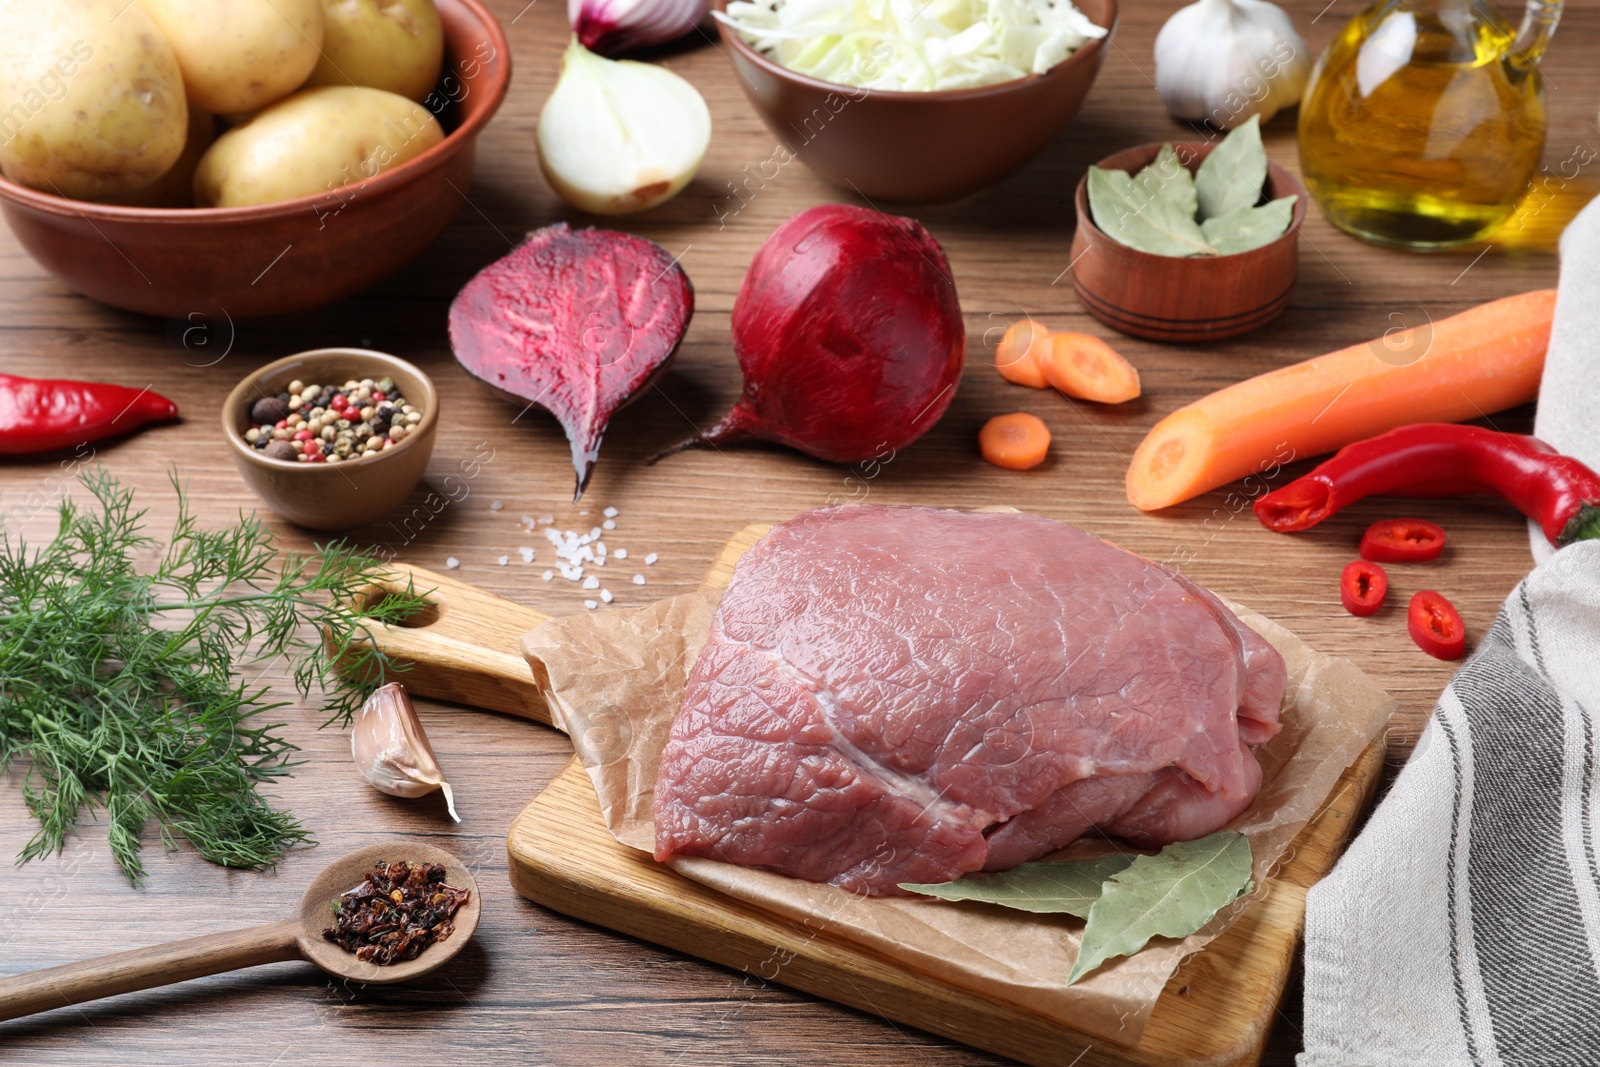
918,147
291,256
333,496
1169,298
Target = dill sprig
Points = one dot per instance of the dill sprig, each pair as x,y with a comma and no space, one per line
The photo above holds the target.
122,690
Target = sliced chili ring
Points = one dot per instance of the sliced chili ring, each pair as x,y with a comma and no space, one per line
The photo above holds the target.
1402,541
1436,625
1362,587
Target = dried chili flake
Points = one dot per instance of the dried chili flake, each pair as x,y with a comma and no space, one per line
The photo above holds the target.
397,911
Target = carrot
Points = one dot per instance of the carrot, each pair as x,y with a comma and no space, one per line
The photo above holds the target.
1480,361
1016,442
1089,369
1016,357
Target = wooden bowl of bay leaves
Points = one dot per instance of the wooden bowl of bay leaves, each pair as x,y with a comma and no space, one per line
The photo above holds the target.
1190,241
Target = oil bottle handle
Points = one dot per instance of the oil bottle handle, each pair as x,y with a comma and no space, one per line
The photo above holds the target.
1538,26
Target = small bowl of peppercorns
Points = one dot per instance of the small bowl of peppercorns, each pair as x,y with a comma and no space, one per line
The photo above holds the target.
332,438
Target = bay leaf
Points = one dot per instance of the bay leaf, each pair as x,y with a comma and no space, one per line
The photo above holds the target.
1245,228
1171,894
1069,888
1167,178
1154,225
1232,176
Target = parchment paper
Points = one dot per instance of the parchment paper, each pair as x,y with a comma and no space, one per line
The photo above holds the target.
614,681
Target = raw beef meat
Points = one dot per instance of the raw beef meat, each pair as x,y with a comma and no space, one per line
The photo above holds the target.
900,694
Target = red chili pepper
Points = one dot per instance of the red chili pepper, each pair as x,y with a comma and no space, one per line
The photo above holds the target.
39,415
1362,587
1442,459
1436,626
1402,541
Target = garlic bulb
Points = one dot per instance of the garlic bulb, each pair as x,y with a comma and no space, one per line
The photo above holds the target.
391,751
618,136
1221,61
611,27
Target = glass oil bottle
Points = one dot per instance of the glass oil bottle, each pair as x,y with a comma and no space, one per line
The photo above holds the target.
1424,120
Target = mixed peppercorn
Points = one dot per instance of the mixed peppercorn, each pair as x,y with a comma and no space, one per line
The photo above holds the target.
397,911
331,423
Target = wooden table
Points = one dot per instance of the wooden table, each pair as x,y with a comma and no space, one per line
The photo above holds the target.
536,987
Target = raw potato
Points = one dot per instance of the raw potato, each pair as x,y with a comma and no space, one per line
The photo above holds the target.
240,55
93,102
175,188
396,45
314,142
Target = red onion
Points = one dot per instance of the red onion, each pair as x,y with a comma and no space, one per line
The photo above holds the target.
849,333
611,27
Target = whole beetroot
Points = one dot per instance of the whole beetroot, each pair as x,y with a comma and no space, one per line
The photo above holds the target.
849,334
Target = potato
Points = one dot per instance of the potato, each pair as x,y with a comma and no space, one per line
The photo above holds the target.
175,188
396,45
93,102
240,55
316,141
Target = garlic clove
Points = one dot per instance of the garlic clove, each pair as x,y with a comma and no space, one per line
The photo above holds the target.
617,136
1222,61
611,27
392,752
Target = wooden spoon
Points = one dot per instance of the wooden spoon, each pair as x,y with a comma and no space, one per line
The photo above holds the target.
299,938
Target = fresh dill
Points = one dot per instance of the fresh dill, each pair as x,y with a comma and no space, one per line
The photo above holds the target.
121,690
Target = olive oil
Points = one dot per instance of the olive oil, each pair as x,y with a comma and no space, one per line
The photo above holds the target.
1424,122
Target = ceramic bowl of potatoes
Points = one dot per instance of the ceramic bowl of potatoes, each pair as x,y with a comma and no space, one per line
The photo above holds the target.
240,158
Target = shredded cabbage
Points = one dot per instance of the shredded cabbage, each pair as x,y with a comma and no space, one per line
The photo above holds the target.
913,45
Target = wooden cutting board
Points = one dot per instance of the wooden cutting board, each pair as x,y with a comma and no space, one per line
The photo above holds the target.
1216,1010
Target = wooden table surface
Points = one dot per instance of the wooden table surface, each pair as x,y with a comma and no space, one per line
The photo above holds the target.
535,987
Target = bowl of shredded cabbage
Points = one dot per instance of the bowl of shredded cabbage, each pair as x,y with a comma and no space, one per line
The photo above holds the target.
916,101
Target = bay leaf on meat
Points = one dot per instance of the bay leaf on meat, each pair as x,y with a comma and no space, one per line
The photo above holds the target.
1167,178
1069,888
1149,224
1233,175
1171,894
1245,228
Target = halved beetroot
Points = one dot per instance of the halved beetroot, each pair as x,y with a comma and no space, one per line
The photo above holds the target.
578,322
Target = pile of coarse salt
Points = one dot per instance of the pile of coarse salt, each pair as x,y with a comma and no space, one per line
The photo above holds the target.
575,553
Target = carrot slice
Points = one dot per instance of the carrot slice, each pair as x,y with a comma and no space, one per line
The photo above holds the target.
1016,357
1086,367
1017,442
1483,360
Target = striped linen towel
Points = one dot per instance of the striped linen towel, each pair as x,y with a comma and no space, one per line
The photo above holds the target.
1569,388
1463,924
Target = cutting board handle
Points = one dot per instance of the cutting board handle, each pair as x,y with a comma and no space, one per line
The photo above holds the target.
464,647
